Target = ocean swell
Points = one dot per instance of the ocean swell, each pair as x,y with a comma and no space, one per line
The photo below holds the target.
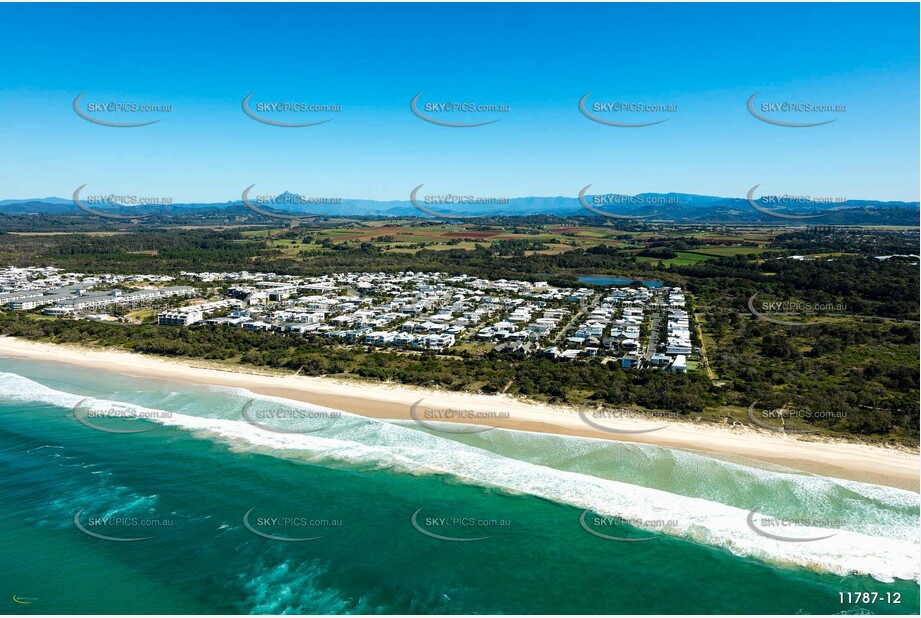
886,551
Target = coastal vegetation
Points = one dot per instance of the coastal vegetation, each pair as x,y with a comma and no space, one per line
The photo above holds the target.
853,363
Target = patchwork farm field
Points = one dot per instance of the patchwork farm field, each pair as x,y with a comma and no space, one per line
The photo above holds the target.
692,244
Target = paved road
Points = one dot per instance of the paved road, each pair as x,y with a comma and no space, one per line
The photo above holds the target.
654,328
653,336
583,307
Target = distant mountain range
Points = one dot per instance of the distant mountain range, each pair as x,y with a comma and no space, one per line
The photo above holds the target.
678,207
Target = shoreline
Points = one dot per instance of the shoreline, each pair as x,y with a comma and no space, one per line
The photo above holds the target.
893,467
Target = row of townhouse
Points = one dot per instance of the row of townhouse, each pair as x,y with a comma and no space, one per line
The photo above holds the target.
11,277
678,340
435,310
24,289
520,325
94,301
240,275
77,299
440,341
50,279
672,364
393,283
186,316
432,307
350,318
402,339
416,293
614,325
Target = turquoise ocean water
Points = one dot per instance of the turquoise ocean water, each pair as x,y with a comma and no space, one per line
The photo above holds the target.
403,519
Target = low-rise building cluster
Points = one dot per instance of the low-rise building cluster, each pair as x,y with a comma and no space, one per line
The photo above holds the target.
63,293
634,326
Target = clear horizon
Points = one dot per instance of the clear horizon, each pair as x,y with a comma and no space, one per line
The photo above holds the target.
407,199
704,61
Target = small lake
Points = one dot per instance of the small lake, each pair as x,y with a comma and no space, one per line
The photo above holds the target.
606,280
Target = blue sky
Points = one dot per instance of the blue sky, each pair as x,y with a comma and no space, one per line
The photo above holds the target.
539,59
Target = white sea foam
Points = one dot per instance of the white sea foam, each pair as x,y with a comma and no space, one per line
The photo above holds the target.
884,552
291,588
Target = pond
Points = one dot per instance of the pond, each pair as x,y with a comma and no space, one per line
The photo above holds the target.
608,280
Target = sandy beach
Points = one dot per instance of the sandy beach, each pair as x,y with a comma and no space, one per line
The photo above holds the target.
872,464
